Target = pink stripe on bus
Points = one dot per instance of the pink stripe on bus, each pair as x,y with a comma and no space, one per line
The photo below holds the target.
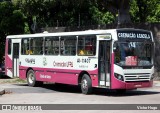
65,76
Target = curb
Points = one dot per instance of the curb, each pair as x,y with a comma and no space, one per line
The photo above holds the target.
2,91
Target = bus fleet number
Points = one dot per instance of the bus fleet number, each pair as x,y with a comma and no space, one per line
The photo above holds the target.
84,60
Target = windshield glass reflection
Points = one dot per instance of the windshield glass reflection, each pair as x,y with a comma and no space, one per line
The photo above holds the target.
133,53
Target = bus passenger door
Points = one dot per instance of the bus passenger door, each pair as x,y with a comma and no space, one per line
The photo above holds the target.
104,63
15,56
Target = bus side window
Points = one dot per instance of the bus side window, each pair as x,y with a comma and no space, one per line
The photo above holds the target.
68,45
36,46
25,46
87,45
51,45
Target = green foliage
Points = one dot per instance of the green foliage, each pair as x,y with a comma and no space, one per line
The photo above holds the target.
17,20
145,10
51,13
155,16
11,22
101,17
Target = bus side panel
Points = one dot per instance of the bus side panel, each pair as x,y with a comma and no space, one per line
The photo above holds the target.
115,84
22,72
71,77
8,66
94,78
66,78
43,75
47,76
8,62
57,75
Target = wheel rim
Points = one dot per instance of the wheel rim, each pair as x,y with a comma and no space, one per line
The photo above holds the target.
31,78
84,84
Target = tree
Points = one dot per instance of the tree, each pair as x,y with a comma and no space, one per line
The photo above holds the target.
64,13
99,17
145,11
11,22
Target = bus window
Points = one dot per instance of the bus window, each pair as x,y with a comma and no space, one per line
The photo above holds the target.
25,47
87,45
52,45
9,46
68,45
36,46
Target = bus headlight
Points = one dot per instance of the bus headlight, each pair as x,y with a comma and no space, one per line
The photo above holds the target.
119,77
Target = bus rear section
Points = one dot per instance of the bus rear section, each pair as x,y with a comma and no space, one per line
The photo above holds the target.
133,60
12,57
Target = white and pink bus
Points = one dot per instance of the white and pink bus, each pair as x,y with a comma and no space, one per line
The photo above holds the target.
119,59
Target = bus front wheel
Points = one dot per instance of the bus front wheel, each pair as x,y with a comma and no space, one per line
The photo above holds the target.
86,84
31,79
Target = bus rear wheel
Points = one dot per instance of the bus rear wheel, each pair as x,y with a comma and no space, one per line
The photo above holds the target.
31,79
86,84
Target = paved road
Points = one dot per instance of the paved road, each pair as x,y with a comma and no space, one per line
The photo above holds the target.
65,94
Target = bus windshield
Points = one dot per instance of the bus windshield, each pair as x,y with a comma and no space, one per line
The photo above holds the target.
133,53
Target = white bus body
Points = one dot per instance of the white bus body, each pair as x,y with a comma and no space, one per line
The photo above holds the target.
93,58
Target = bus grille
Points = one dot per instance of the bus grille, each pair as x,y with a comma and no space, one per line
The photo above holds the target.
133,77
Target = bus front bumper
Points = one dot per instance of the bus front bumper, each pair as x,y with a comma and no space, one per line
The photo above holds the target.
118,84
135,85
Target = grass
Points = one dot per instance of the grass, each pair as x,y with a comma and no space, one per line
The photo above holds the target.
20,80
11,80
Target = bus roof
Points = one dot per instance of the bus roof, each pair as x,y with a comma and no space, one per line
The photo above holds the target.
86,32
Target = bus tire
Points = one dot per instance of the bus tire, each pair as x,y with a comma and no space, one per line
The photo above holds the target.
86,84
31,79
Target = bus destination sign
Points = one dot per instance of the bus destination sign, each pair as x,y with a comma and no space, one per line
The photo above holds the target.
124,34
